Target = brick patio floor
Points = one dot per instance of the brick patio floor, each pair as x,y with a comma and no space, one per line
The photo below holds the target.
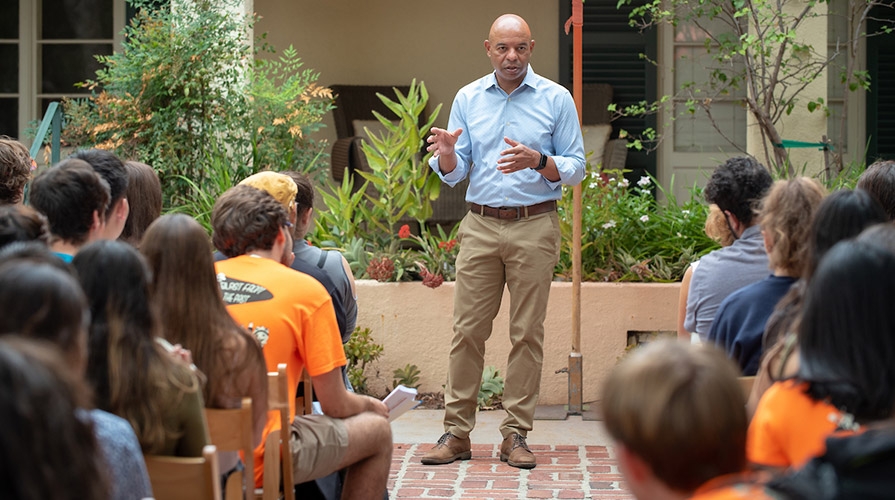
563,471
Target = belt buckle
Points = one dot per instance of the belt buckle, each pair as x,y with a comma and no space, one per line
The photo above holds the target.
516,210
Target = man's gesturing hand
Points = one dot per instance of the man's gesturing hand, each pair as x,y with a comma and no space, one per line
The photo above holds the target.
517,157
441,142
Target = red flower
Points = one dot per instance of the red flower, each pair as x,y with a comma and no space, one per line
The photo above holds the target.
404,232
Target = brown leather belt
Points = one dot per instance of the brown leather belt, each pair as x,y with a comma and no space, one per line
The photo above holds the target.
513,213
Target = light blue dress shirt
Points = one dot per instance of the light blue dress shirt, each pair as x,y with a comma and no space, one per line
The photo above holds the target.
539,114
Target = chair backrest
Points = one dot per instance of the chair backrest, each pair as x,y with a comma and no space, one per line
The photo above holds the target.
357,102
185,478
746,383
277,453
232,430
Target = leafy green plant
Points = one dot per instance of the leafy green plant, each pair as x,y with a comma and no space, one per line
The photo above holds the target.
360,350
491,390
186,91
408,376
400,175
627,235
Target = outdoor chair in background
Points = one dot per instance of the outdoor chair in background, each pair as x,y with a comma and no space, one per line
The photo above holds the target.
354,106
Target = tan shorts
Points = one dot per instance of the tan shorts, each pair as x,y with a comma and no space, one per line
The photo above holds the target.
318,445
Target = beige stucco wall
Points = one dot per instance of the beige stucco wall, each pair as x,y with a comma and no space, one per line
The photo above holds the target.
391,42
413,323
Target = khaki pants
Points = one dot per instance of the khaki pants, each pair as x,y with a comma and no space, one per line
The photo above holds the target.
520,254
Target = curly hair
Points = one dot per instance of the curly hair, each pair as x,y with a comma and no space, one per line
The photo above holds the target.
244,219
737,185
15,170
716,227
786,214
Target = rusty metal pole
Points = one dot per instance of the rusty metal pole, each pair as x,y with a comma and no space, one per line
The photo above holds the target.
576,378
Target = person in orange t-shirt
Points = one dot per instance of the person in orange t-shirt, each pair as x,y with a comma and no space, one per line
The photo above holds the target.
846,377
682,432
292,316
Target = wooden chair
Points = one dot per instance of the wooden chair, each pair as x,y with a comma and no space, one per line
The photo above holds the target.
303,403
232,430
746,384
277,453
185,478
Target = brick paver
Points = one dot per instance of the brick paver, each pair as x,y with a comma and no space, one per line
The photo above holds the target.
563,471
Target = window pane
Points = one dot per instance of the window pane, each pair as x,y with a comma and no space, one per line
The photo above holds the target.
76,19
696,134
9,117
9,21
64,65
9,67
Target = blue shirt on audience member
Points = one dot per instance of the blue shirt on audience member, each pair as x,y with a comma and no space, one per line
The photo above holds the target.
740,322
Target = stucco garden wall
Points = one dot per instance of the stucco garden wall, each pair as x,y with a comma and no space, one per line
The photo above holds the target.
413,323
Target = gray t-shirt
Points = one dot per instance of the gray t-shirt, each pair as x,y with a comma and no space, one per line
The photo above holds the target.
721,273
331,263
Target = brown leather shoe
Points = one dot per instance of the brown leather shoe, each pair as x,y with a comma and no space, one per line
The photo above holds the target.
448,449
515,452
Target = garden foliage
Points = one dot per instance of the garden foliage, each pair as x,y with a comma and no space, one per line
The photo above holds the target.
189,95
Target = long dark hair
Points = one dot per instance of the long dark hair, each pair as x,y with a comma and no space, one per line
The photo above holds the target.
193,313
48,448
847,333
131,373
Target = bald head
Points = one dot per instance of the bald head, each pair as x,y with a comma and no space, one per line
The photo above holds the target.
509,46
509,23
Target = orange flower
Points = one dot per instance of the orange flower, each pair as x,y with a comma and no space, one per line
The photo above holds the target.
404,232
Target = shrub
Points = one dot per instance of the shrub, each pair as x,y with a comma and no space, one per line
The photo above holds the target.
186,95
627,235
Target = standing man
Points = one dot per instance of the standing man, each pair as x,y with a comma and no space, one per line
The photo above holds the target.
516,136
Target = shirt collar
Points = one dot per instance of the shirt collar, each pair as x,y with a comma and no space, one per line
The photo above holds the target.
531,79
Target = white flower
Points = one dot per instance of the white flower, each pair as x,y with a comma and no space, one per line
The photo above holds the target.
644,218
624,182
679,235
643,182
609,224
592,185
685,212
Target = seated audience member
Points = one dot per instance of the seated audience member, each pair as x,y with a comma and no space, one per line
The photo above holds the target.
15,170
43,301
676,413
840,216
879,181
144,198
132,374
736,187
294,321
331,261
785,216
22,223
846,378
188,299
47,447
284,190
112,170
73,198
717,229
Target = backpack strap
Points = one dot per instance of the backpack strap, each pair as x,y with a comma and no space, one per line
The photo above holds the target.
322,260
